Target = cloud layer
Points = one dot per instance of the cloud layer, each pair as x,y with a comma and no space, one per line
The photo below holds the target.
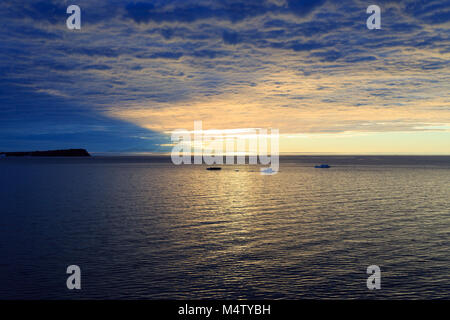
139,69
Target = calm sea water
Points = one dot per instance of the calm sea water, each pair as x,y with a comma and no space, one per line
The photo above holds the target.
140,227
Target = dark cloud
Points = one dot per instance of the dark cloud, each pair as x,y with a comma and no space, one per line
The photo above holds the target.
211,54
230,37
168,33
91,51
304,46
304,7
403,27
327,56
50,11
35,33
97,67
360,59
162,55
140,12
433,12
234,11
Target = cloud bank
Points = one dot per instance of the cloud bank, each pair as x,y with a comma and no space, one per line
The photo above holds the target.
137,70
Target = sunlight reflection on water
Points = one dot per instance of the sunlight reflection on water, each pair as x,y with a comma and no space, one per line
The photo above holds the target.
145,229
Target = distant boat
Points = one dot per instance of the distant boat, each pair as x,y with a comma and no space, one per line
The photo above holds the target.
214,168
267,170
322,166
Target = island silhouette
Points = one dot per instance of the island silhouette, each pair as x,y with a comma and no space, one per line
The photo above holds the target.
48,153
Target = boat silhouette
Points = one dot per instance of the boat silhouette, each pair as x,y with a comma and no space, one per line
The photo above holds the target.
322,166
214,168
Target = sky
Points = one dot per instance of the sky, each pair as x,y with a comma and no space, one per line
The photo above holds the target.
136,71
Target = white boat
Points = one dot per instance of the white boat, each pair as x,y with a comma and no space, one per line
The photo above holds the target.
267,171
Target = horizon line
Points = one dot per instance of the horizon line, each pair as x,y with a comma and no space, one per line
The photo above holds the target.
168,154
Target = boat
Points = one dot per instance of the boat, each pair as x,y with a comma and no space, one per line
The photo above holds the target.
214,168
322,166
267,171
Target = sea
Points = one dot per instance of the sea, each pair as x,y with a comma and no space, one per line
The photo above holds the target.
140,227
